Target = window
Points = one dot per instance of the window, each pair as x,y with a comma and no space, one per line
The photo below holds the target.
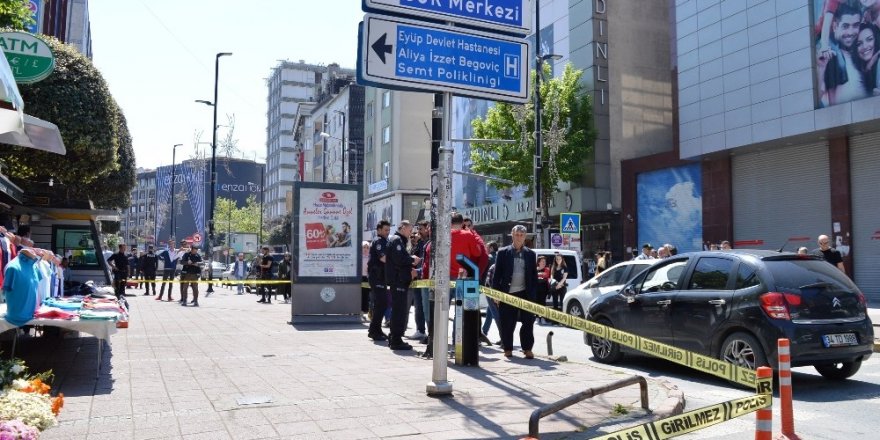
664,276
78,245
370,110
386,99
612,277
386,134
369,144
369,177
711,273
746,276
386,170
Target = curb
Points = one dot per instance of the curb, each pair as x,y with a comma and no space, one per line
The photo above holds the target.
675,400
876,347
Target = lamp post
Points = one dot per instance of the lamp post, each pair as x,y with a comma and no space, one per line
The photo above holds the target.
345,151
344,146
262,200
210,242
539,140
173,178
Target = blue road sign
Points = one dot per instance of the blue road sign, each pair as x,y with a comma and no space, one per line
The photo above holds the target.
570,222
397,53
513,16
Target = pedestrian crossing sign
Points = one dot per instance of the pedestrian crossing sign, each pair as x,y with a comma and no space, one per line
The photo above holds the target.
571,222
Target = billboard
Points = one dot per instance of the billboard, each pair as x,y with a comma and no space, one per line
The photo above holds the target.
670,207
846,35
326,244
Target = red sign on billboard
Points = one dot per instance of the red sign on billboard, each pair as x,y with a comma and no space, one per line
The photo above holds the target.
315,236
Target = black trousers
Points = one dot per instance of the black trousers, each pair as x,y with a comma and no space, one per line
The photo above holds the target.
150,277
119,281
399,312
167,275
365,296
265,290
379,296
508,319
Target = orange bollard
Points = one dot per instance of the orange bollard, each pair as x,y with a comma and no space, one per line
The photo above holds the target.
764,417
785,404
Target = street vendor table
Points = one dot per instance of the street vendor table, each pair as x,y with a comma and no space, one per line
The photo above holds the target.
101,329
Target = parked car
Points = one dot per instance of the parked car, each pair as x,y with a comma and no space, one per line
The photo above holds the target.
226,276
612,279
217,270
734,305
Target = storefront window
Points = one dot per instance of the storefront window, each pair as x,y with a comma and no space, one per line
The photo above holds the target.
78,246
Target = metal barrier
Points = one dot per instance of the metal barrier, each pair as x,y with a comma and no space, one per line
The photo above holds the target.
550,343
557,406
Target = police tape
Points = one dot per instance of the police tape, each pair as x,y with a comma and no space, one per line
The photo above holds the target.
699,362
692,420
229,282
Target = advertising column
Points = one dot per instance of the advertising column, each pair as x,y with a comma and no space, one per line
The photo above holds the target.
326,252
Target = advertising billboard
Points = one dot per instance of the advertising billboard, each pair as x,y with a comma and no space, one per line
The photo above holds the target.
670,207
327,245
846,34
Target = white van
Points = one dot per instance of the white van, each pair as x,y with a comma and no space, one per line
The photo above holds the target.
572,264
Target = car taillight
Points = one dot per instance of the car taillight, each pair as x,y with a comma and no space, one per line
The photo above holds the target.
776,304
862,300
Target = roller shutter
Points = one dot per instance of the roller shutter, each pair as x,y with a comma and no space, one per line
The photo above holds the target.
864,157
781,193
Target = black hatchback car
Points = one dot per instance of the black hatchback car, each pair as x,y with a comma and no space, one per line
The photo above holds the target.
734,305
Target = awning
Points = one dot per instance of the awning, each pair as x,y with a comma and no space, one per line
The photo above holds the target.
37,133
10,190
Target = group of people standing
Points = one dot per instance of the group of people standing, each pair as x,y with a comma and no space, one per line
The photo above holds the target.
393,261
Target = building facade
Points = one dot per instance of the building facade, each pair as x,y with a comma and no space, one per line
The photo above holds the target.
778,132
237,179
66,20
289,85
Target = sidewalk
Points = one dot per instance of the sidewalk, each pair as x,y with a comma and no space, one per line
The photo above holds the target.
182,372
874,314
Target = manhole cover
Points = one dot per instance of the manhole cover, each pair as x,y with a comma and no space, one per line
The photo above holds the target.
253,400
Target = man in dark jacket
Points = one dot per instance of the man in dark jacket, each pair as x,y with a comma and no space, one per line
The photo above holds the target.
516,273
376,278
399,273
119,265
149,264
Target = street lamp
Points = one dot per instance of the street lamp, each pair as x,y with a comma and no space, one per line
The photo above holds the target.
173,178
345,151
213,104
539,141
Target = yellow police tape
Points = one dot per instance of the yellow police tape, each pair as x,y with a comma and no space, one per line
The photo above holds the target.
706,364
230,282
699,418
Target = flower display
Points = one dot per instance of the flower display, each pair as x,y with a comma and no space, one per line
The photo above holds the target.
17,430
26,408
31,408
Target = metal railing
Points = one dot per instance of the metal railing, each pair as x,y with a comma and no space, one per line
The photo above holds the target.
559,405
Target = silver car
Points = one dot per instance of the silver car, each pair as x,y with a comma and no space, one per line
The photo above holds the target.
612,279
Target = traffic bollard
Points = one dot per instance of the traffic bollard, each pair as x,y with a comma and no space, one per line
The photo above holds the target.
785,395
764,417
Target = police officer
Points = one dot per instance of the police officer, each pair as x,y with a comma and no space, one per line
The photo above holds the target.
376,275
149,264
399,273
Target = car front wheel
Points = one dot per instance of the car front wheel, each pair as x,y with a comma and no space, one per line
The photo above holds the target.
744,350
576,309
838,371
604,350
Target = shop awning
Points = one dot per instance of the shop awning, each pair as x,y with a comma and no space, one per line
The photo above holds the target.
10,190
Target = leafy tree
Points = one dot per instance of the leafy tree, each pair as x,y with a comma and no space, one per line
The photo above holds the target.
567,131
280,232
15,14
99,164
228,216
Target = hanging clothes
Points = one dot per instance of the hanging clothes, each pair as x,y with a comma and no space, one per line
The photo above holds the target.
20,282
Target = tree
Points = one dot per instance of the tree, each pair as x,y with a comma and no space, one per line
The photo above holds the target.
229,217
280,232
15,14
99,164
567,130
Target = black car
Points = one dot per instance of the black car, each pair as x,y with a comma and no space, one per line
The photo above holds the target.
734,305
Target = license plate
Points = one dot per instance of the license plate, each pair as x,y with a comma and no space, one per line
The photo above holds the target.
840,339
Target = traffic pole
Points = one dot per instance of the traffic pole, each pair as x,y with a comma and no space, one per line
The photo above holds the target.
764,417
785,404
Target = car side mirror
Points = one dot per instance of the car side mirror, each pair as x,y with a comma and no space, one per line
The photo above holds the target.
630,293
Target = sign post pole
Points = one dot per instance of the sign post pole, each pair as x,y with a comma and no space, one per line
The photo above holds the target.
439,384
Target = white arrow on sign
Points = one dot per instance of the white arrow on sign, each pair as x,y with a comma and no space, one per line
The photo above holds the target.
398,53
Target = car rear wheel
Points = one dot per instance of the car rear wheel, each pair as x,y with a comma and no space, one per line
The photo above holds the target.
838,371
575,308
604,350
744,350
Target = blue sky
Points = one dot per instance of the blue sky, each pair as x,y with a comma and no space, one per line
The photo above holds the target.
158,57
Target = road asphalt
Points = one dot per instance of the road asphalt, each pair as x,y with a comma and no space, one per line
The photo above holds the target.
236,369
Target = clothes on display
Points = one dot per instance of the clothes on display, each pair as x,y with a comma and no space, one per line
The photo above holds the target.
20,283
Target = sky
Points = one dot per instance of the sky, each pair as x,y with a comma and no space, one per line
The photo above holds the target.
157,57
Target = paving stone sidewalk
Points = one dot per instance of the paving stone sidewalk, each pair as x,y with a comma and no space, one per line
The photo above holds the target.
184,372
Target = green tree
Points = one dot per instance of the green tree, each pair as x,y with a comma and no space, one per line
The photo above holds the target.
15,14
228,216
567,131
280,232
99,164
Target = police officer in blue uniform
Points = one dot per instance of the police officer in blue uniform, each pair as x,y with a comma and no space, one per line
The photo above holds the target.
399,272
376,278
